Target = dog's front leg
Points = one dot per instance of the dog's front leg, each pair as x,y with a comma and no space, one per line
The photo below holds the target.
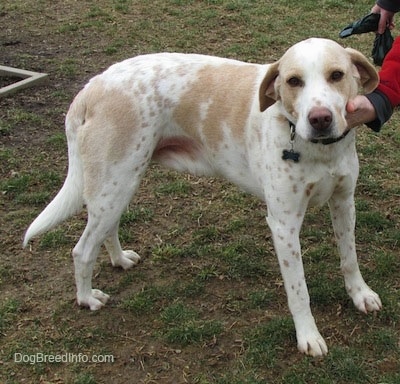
343,219
287,246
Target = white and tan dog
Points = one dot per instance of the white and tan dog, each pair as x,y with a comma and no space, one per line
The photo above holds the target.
215,116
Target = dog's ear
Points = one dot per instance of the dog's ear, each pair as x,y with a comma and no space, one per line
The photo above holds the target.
267,92
366,72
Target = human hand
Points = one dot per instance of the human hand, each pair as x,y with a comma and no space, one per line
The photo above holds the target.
386,20
359,111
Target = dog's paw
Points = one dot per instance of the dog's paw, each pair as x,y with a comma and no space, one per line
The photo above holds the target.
126,260
366,300
312,344
95,301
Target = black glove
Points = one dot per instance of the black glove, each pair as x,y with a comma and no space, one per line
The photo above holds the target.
382,45
369,23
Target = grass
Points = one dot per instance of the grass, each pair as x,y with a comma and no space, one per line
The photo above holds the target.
8,311
266,342
53,239
206,305
174,188
184,327
85,378
22,187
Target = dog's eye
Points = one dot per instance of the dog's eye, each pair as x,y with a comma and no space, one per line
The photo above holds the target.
294,82
337,75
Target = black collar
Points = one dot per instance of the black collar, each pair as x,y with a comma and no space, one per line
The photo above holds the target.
318,141
330,141
292,155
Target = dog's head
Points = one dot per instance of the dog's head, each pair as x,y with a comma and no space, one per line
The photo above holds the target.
313,81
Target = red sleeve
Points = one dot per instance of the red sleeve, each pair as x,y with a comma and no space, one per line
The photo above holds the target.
390,74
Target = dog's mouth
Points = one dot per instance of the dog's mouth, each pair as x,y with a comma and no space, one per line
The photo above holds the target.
328,139
317,135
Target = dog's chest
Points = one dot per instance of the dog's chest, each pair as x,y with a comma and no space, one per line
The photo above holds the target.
321,191
308,183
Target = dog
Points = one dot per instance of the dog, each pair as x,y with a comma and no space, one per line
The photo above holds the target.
276,130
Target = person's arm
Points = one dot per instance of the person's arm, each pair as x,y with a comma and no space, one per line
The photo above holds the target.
387,94
389,75
382,110
376,108
387,9
389,5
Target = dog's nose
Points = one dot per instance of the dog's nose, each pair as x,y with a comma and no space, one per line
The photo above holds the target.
320,118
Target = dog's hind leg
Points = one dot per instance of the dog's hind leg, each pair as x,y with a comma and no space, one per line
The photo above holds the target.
120,258
85,255
105,207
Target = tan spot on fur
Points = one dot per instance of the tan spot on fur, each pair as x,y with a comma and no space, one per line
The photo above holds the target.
296,254
228,91
309,189
110,122
286,263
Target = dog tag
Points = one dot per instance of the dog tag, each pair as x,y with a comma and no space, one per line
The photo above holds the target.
291,155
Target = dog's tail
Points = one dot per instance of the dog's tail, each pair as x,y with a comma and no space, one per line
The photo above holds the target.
69,199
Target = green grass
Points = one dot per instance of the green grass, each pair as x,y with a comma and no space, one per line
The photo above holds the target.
22,188
266,342
8,312
184,325
15,185
193,331
174,188
244,260
53,239
341,366
58,141
143,302
85,378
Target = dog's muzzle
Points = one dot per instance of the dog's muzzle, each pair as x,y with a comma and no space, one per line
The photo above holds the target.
320,118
